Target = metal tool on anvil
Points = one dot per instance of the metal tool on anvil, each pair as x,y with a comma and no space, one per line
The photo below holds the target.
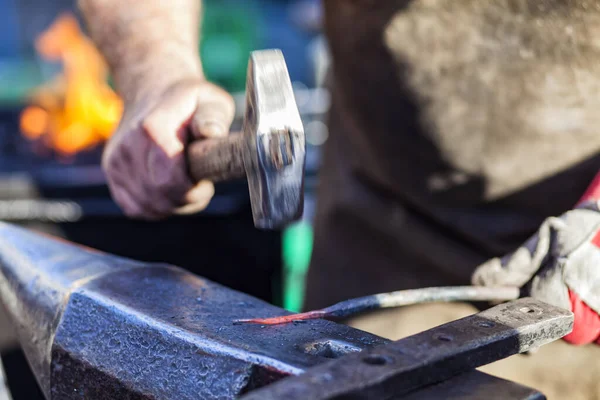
400,298
97,326
270,151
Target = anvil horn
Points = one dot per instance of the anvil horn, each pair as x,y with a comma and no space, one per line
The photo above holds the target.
37,276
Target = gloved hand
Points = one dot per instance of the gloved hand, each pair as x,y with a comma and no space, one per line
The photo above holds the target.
144,161
559,265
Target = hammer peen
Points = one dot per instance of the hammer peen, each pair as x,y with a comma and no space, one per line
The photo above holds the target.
270,150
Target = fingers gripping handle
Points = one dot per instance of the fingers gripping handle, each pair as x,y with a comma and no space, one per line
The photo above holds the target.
217,160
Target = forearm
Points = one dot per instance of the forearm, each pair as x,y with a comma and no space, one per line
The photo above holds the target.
146,41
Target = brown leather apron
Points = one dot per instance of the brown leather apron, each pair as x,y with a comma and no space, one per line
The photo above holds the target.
456,128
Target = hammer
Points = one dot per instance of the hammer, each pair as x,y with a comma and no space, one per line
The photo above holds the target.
270,150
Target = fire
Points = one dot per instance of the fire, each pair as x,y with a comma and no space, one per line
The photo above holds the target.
77,110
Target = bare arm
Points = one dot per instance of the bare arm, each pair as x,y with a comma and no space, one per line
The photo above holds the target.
149,39
151,47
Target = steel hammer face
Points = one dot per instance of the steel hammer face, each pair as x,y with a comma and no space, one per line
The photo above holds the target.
274,147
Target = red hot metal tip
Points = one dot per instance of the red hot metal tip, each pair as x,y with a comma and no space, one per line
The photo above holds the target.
283,319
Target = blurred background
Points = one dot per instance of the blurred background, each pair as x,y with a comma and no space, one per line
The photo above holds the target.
57,108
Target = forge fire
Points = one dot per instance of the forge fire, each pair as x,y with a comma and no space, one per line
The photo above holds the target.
78,109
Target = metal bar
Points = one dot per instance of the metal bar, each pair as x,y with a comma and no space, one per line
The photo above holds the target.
428,357
398,298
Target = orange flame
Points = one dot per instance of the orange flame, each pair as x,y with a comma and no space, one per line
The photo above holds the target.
77,110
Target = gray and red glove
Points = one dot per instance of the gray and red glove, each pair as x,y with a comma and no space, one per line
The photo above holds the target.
560,265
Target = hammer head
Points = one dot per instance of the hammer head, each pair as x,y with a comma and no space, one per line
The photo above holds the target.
274,146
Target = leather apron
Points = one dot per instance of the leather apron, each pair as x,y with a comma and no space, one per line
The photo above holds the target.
456,128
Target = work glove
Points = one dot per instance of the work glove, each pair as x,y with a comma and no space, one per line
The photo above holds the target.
559,265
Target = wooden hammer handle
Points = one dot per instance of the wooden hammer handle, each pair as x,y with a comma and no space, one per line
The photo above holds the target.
217,159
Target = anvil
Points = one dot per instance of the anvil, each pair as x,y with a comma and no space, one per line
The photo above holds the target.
98,326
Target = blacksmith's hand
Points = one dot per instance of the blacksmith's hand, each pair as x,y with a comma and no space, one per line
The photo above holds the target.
559,265
145,162
152,48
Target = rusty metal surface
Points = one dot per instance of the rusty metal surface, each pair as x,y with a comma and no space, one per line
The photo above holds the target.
428,357
217,160
96,326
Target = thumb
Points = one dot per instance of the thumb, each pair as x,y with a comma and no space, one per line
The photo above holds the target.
214,112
